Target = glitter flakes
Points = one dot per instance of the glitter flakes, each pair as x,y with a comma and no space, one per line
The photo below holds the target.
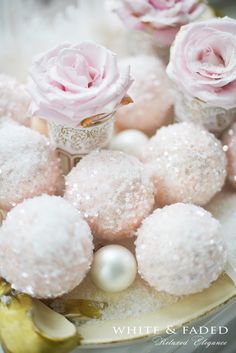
54,247
184,250
115,201
29,166
152,96
187,164
14,100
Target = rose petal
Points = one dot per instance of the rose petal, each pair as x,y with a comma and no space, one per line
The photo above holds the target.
72,82
156,15
203,61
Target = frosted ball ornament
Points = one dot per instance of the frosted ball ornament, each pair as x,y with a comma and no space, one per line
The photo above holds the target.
14,100
46,248
112,191
151,92
29,166
223,208
180,249
186,164
114,268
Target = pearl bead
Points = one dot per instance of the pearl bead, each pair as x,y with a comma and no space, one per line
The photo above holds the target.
114,268
129,141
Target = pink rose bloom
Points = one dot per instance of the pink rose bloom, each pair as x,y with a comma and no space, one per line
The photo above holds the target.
203,61
72,82
163,17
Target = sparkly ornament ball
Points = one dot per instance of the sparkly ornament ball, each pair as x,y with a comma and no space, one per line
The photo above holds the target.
45,247
229,142
29,166
14,100
180,249
4,121
223,208
114,268
151,93
187,164
112,191
129,141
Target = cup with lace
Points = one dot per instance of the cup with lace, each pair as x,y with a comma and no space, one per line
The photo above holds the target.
203,69
77,88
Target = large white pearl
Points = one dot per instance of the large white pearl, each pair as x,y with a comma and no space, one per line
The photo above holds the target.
129,141
114,268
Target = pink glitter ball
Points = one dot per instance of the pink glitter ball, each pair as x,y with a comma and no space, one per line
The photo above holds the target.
45,247
29,166
187,164
14,100
112,192
151,93
180,249
229,142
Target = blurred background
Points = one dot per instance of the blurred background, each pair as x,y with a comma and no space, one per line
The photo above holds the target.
28,27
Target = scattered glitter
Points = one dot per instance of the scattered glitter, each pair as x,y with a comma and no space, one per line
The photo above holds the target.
132,302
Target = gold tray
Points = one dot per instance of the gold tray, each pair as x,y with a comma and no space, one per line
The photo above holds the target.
186,310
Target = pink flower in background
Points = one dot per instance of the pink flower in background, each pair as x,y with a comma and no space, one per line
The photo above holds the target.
72,82
203,61
162,17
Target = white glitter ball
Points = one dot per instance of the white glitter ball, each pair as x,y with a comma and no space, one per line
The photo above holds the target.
187,164
14,100
151,93
180,249
45,247
112,192
223,207
29,166
4,121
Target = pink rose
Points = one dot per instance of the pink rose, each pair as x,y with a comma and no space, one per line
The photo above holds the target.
72,82
163,17
203,61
